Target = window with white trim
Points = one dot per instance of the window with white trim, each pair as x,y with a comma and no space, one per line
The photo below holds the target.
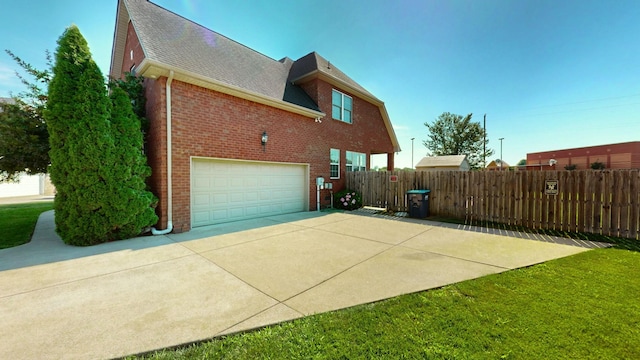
356,161
334,164
341,106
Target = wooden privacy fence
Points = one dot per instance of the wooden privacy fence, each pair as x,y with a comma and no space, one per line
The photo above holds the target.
603,202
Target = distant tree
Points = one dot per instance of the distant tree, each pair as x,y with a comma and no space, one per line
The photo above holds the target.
597,165
452,134
522,162
24,140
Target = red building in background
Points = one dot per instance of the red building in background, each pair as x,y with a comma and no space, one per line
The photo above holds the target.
613,156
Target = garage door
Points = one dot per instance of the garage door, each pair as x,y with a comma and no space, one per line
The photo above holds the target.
224,191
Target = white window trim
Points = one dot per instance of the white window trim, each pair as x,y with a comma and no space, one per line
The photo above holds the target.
357,155
332,163
342,96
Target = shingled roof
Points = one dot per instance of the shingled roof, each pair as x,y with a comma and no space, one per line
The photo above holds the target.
206,58
441,161
312,64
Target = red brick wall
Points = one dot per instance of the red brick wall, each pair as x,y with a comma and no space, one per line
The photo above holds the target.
156,146
614,156
132,44
207,123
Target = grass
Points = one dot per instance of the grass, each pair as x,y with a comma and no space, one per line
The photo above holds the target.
17,222
580,307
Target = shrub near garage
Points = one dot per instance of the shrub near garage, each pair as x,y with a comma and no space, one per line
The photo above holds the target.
347,200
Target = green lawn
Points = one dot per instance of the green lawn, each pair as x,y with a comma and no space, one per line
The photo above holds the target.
18,221
580,307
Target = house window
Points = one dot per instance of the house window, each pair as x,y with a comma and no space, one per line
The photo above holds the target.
356,161
342,106
334,165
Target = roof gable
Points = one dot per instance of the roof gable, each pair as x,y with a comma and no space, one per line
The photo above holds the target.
442,161
496,164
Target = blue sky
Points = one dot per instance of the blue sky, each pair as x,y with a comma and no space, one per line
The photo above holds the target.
548,74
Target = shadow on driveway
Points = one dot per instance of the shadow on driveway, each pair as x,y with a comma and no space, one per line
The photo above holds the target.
47,247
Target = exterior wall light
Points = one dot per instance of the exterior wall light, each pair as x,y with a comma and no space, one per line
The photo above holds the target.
265,137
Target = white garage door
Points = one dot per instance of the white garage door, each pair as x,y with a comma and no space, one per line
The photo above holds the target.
224,191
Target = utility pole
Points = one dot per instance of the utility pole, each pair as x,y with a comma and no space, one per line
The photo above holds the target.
412,151
501,152
484,143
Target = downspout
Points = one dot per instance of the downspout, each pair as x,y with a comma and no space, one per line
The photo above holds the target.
169,228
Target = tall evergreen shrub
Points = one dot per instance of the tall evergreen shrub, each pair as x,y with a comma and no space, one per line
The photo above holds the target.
77,114
95,165
132,202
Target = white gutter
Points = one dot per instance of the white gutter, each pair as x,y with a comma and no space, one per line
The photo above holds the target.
169,228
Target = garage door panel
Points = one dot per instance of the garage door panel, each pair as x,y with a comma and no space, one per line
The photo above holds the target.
224,191
218,198
201,200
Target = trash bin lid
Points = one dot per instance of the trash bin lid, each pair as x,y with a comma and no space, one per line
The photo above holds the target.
418,191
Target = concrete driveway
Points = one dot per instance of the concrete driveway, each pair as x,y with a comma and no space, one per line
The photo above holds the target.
126,297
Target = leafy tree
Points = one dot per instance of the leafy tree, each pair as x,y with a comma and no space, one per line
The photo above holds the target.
522,162
24,140
35,95
452,134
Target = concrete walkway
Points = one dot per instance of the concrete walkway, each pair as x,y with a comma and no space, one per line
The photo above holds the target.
126,297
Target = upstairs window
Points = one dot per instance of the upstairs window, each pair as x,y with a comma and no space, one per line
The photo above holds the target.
342,106
356,161
334,165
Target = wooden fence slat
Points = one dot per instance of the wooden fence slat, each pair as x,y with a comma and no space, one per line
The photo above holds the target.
573,193
607,185
634,204
616,202
564,204
623,198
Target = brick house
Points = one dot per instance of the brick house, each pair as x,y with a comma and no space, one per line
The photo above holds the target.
613,156
212,101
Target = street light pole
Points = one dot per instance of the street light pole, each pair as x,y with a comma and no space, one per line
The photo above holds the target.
412,152
501,152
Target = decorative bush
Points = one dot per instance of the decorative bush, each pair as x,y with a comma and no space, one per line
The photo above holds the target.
347,200
570,167
597,165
